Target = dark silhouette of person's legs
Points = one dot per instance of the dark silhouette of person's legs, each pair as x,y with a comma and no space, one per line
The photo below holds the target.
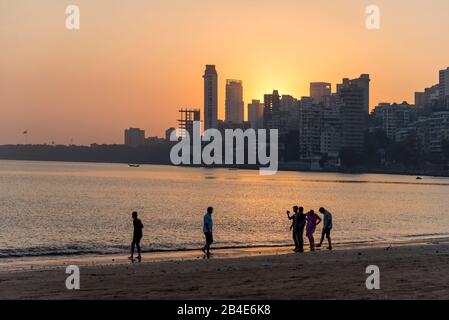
133,246
322,238
138,247
209,241
300,237
295,239
206,248
312,242
328,236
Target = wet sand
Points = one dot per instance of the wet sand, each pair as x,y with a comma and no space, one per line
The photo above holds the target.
413,271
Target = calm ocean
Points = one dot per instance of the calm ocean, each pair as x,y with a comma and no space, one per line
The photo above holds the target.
49,209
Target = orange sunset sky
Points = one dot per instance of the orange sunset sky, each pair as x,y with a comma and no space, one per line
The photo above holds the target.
136,62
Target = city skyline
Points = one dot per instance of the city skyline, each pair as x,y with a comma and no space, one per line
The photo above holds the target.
102,79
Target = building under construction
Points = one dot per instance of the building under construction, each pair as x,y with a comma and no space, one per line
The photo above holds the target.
187,118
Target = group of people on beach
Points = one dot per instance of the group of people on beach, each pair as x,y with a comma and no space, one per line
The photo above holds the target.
309,221
300,221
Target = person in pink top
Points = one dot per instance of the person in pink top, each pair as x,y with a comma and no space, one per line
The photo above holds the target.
312,221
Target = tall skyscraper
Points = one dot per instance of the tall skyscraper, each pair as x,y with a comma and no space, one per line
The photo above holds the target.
352,106
271,112
310,124
235,108
320,90
210,98
444,84
255,114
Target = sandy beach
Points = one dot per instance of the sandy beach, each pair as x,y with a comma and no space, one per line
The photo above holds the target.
414,271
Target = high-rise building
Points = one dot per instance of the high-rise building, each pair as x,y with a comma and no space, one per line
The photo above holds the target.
255,114
310,123
210,98
320,90
319,128
134,137
444,84
331,127
289,113
353,104
235,108
363,83
271,113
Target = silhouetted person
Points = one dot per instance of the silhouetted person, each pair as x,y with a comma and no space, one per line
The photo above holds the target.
137,236
312,221
207,229
294,226
327,227
301,224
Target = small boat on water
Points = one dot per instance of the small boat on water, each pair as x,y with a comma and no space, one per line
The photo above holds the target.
418,178
134,165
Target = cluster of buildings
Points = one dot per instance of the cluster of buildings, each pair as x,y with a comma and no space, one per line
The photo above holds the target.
321,125
427,121
309,128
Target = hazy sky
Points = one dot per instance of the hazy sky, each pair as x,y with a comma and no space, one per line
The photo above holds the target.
136,62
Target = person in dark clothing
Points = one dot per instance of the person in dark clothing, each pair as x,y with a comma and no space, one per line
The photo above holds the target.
294,225
301,223
137,237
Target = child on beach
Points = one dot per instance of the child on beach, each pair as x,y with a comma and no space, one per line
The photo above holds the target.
312,221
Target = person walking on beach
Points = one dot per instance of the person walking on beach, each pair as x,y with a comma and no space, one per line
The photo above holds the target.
327,227
312,221
207,229
137,236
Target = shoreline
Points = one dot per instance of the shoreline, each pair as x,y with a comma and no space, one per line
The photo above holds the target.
408,271
287,168
48,262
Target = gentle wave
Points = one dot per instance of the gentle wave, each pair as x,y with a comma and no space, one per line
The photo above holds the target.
37,252
42,252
